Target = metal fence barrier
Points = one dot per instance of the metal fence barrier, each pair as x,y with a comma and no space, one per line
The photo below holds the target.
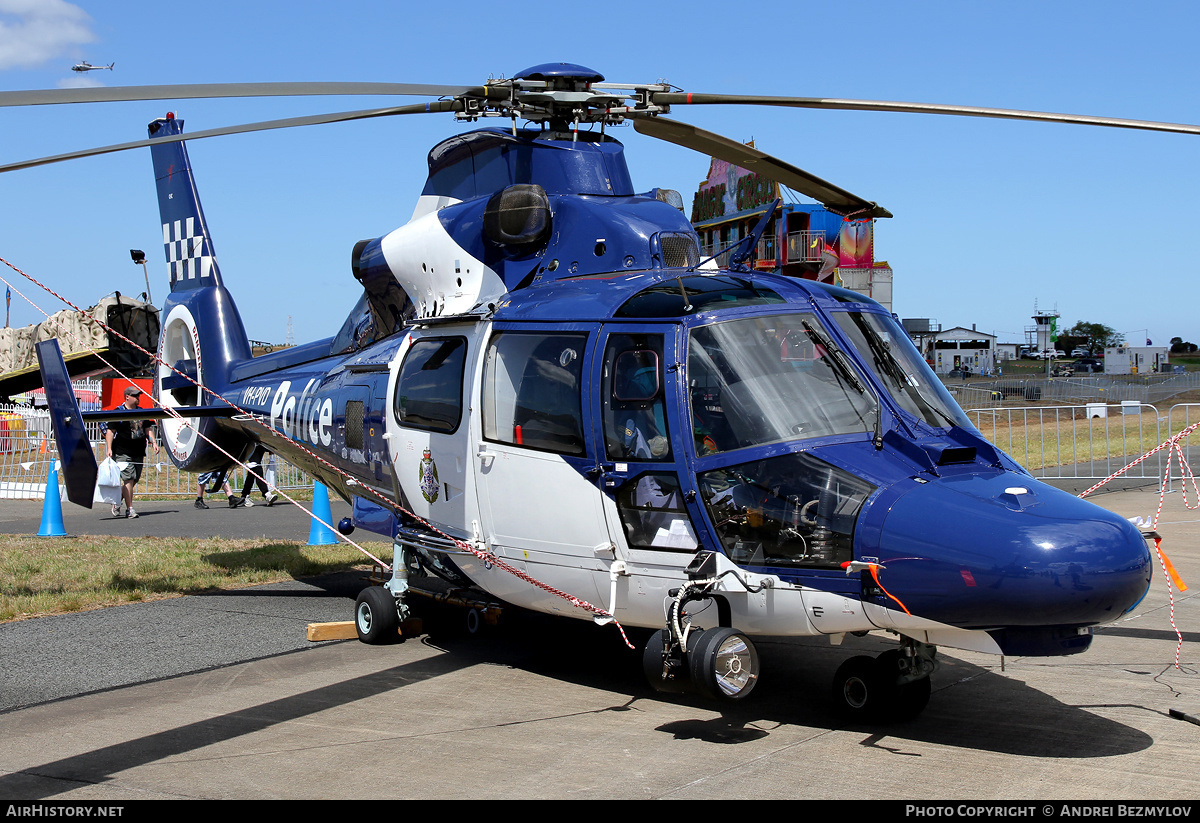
1081,388
27,446
1088,442
1183,415
974,397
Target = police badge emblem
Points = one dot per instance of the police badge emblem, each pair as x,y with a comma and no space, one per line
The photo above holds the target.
429,477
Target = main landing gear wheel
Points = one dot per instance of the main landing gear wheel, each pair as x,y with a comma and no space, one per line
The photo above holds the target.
867,690
857,690
724,664
375,616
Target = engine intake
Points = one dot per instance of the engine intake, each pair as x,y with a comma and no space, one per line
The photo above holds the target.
518,217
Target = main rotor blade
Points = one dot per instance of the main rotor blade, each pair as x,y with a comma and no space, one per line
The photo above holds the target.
310,120
117,94
681,134
684,98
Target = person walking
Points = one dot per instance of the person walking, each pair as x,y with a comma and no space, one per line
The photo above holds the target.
125,442
214,480
256,463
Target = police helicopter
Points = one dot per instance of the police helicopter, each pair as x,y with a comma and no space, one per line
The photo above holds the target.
546,396
85,66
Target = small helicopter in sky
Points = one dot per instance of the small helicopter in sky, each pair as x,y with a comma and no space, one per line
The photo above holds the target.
546,394
85,66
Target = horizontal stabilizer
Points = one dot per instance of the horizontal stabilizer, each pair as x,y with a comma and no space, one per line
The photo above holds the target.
74,448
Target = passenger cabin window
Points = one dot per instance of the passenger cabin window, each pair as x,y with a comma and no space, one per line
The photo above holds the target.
531,391
429,391
635,423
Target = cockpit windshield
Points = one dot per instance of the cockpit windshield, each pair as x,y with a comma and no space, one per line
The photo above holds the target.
886,350
766,379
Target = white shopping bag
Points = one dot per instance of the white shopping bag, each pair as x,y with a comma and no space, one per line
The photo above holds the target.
108,481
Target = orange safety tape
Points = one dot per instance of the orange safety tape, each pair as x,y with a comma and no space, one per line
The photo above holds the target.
1169,570
1174,450
1166,561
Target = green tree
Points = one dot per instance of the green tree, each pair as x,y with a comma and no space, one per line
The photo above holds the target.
1098,335
1069,342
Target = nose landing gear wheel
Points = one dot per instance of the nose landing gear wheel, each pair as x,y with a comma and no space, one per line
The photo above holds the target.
866,690
375,617
857,689
474,622
724,664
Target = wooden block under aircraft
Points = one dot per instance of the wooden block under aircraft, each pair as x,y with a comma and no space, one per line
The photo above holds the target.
344,630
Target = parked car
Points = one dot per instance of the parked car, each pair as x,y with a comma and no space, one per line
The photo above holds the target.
1086,365
1080,353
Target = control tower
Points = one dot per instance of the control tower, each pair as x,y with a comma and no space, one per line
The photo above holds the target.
1046,326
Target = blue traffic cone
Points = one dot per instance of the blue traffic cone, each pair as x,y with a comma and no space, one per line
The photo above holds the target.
319,534
52,522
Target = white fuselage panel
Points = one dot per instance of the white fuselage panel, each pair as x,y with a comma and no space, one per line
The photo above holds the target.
438,274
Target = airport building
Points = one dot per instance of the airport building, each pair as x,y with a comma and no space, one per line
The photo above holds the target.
954,349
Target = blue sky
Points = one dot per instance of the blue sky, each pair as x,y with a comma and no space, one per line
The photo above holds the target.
992,218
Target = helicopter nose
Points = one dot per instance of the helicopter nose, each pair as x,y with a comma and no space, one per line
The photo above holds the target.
1008,551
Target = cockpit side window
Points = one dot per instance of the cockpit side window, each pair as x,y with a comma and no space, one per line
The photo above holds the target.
532,391
635,422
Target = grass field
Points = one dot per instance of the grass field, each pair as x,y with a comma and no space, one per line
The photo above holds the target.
42,576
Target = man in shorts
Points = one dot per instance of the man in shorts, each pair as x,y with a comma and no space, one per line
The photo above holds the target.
126,441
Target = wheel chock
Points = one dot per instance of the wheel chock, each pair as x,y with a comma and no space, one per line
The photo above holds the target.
345,630
341,630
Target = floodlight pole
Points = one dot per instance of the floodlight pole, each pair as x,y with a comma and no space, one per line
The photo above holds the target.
146,274
140,257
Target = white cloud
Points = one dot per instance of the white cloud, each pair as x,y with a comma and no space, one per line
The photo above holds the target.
81,82
33,32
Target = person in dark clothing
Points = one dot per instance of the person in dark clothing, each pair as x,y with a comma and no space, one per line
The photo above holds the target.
126,444
257,464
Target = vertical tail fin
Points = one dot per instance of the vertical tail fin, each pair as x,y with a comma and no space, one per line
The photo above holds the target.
188,245
202,333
